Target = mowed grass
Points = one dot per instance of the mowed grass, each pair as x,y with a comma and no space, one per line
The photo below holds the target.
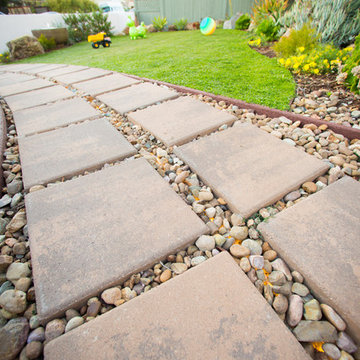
222,64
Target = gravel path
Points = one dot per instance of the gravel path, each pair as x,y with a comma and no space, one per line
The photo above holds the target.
285,291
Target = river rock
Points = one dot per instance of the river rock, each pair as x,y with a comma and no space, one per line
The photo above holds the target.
197,260
245,264
300,289
17,270
205,195
253,246
93,308
256,261
205,242
219,240
344,342
237,220
5,262
74,323
239,232
13,337
294,195
280,265
54,329
37,335
280,304
14,187
345,356
178,268
312,310
277,278
332,351
13,301
33,350
314,331
239,251
295,311
110,296
333,317
17,222
165,275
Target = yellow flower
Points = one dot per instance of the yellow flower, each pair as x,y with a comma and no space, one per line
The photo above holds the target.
258,42
316,71
312,64
282,61
301,49
306,67
344,58
287,62
1,54
296,65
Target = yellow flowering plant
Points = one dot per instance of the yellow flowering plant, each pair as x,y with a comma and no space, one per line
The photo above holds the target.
321,60
5,57
255,43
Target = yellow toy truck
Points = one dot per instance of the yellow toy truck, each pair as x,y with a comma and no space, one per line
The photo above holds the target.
99,39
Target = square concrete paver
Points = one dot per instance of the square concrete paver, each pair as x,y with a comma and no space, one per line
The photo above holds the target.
93,232
11,79
319,237
210,312
48,117
82,75
69,151
20,67
37,97
178,121
101,85
248,167
22,87
61,71
136,97
45,67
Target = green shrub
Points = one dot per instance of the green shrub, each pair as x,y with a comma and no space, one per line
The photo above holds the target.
352,68
243,22
71,6
336,21
268,30
47,44
180,24
80,26
5,57
265,8
304,38
159,23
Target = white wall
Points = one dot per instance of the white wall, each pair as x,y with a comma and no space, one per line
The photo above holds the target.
14,26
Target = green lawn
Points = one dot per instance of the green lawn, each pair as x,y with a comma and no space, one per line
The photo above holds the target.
222,64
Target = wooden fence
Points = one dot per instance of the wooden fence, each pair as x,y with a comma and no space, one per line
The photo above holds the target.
192,10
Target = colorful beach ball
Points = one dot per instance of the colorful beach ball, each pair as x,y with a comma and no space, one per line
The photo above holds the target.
207,26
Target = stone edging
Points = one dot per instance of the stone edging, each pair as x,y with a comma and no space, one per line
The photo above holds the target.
3,132
348,132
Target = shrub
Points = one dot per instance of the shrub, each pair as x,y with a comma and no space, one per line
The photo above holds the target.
159,23
47,44
352,68
243,22
5,57
268,30
71,6
80,26
304,38
265,8
181,24
336,21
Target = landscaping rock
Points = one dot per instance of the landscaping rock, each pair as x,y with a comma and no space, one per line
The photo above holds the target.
16,271
312,310
13,301
344,342
110,296
295,311
332,351
74,323
13,337
332,316
24,47
54,329
313,331
205,242
33,350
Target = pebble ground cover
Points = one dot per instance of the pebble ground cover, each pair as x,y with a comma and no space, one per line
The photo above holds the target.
284,290
222,64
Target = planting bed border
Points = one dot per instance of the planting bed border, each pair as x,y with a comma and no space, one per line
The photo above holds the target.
3,138
348,132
